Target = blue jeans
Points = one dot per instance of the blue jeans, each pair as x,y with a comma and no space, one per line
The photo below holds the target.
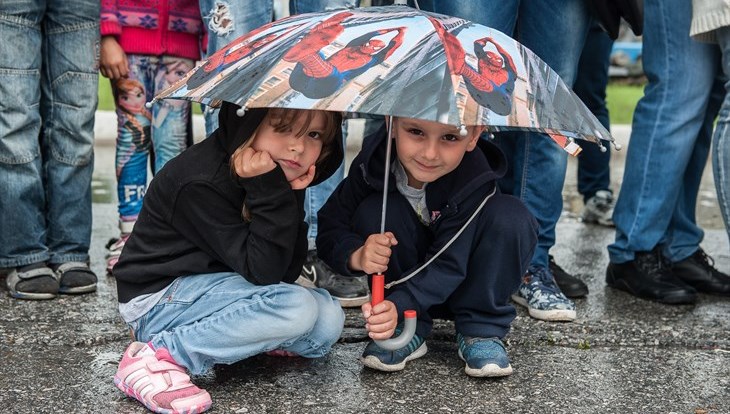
670,139
162,132
311,6
721,138
244,16
48,94
555,30
594,173
221,318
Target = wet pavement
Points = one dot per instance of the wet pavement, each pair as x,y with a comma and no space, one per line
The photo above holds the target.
622,354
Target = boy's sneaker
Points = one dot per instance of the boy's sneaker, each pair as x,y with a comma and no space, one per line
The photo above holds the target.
157,381
350,291
378,358
570,285
484,357
115,247
542,297
34,282
599,209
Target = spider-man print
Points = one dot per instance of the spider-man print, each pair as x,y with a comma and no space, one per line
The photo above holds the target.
317,77
493,82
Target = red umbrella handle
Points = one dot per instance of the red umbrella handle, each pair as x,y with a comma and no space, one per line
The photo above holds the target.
409,325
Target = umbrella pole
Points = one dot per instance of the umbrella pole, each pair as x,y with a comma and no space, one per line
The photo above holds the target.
378,280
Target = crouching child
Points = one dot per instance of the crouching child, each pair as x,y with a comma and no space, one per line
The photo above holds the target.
207,275
437,181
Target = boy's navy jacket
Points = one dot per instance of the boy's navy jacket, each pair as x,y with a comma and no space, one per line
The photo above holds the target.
450,200
191,220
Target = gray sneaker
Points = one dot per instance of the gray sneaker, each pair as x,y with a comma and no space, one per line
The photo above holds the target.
351,291
599,209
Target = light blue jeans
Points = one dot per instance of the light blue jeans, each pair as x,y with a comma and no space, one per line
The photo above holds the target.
221,318
721,138
670,138
555,30
48,96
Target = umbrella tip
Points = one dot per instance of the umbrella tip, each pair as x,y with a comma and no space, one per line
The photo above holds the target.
602,147
241,111
617,146
149,104
462,130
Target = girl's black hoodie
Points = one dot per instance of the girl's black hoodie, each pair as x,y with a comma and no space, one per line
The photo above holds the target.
191,220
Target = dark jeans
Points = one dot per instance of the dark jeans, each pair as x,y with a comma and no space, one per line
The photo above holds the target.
590,86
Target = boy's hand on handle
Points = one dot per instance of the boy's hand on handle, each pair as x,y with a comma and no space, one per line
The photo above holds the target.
301,182
380,320
112,60
248,162
374,255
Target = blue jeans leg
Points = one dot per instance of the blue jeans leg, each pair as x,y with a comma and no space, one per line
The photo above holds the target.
721,138
311,6
664,161
48,87
594,173
538,165
221,318
243,16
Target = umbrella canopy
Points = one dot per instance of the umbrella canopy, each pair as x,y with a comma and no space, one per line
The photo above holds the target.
393,60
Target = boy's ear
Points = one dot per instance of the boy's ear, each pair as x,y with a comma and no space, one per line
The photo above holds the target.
474,134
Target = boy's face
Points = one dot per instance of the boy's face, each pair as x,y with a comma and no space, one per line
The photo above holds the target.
295,154
429,150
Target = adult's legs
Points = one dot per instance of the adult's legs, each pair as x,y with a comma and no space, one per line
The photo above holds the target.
667,122
590,86
69,87
23,238
222,318
721,138
225,21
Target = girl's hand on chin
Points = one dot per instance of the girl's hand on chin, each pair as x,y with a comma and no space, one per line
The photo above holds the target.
249,163
301,182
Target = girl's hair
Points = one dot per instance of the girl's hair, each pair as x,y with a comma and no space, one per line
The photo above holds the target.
283,119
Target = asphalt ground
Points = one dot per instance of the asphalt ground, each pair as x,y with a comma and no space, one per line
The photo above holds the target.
621,355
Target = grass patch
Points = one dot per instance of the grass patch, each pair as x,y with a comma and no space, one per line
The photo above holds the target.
621,100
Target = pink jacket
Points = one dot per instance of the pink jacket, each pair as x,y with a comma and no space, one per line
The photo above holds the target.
154,27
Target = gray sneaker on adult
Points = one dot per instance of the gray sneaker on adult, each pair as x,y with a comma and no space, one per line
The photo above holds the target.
351,291
599,209
33,282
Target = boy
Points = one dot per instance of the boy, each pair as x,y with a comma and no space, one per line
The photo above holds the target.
437,181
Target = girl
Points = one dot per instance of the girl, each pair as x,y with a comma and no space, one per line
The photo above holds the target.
222,226
145,47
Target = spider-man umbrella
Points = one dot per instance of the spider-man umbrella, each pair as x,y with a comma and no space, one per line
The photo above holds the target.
393,60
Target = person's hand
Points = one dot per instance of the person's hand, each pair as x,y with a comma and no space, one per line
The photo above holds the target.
113,62
374,255
301,182
380,320
248,162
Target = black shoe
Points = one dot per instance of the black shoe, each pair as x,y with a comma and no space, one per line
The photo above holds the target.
351,291
699,272
648,276
571,286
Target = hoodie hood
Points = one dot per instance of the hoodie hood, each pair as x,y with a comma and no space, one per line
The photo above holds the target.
234,130
480,167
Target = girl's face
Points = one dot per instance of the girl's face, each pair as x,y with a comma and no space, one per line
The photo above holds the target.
132,101
295,151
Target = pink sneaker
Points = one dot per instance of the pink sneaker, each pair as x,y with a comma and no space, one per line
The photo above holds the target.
115,247
154,379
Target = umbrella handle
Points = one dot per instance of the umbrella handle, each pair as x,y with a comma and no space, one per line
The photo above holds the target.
409,324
